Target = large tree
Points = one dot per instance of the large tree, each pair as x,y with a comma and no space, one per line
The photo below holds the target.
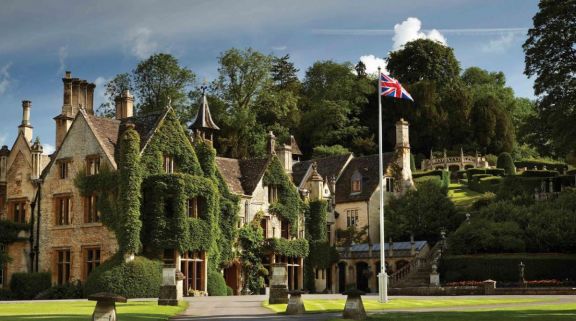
551,57
423,59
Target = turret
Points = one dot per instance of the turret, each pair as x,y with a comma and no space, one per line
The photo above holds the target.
25,128
203,126
316,184
4,153
37,151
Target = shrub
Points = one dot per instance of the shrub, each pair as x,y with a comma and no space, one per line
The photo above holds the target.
412,163
491,159
427,179
63,291
443,175
216,284
229,291
530,164
483,201
485,236
26,286
461,174
540,173
506,163
140,278
518,187
504,267
487,171
6,295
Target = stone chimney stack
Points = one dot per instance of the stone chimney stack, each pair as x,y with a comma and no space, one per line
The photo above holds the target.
316,184
90,99
403,154
25,128
37,151
4,153
271,143
285,155
124,105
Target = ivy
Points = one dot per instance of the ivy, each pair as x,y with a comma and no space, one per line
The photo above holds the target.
9,234
316,220
251,238
290,248
289,205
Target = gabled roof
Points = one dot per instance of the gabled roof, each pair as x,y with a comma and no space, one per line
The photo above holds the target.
367,166
106,131
295,148
327,167
242,175
203,119
145,125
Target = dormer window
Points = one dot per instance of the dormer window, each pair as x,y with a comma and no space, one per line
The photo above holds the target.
356,182
168,164
272,194
92,165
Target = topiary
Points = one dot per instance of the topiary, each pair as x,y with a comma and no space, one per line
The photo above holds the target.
229,291
506,163
140,278
216,284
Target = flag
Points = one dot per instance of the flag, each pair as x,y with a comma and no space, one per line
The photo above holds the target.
390,87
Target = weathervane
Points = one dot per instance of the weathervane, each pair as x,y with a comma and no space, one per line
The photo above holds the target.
204,87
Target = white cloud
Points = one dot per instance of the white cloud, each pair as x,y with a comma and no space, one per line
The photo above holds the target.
279,48
500,44
48,149
411,29
140,43
3,137
5,79
62,55
372,63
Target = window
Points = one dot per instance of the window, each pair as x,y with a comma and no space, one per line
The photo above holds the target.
91,260
192,266
193,207
285,229
63,266
356,182
168,164
389,184
63,205
91,213
17,211
92,165
272,194
264,226
168,208
63,168
351,217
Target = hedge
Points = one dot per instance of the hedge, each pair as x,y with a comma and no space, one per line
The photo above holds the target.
504,267
539,164
483,183
424,179
26,286
505,162
216,284
540,173
518,186
490,171
140,278
443,175
290,248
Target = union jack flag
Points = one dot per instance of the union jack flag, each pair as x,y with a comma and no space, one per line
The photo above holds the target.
390,87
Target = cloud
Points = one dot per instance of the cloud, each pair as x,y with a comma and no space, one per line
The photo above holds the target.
5,79
500,44
372,63
48,149
141,46
62,55
3,137
411,29
456,32
279,48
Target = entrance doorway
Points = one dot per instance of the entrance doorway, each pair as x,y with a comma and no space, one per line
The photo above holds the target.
192,266
362,276
341,277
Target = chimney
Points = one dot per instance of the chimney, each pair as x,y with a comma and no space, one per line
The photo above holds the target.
403,155
67,105
316,184
124,105
75,96
285,155
90,99
4,153
82,91
37,150
25,128
271,143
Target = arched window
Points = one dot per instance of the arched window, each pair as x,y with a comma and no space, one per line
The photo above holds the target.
356,182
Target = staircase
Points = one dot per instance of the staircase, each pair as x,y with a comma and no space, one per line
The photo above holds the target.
417,273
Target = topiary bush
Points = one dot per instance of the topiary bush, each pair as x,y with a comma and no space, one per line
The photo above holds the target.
540,173
216,284
26,286
506,163
443,175
63,291
140,278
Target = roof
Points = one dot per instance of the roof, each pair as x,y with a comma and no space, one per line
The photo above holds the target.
145,124
367,166
295,148
203,119
242,175
327,167
106,131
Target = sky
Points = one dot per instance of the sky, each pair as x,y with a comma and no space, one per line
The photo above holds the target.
96,40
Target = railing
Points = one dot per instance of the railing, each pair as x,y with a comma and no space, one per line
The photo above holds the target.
415,265
454,159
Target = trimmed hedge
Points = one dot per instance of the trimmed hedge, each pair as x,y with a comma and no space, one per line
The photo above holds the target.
26,286
216,284
518,186
506,163
489,171
539,164
424,179
504,267
140,278
483,183
540,173
443,175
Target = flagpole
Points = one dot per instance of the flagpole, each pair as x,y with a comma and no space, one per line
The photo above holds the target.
382,277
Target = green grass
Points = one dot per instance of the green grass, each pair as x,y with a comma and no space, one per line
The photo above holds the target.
559,312
394,304
462,196
82,311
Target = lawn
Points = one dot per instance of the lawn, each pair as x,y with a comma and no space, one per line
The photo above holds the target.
394,304
82,310
462,196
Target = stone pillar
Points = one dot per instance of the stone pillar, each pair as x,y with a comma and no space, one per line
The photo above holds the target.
170,292
278,283
75,96
25,128
317,184
489,287
300,284
90,99
37,150
4,153
403,154
67,101
271,143
285,155
295,304
82,92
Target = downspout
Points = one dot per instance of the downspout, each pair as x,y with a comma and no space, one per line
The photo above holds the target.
31,239
37,245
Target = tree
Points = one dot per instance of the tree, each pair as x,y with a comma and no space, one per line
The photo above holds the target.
326,151
423,59
551,57
114,88
505,162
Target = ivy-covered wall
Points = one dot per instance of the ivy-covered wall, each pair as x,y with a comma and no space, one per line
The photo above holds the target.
9,234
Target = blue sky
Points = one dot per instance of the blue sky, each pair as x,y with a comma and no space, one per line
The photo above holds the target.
39,40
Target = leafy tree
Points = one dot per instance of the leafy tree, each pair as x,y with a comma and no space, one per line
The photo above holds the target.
551,58
485,236
360,69
114,88
325,151
423,59
284,74
505,162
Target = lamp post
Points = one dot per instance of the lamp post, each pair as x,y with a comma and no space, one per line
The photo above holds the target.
382,276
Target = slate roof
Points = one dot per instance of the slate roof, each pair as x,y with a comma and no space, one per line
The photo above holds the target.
368,168
327,167
106,130
295,148
242,175
203,119
145,124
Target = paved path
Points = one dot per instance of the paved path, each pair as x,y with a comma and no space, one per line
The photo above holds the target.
250,307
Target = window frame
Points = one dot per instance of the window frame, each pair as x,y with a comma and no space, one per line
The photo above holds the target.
92,164
194,207
63,265
91,212
64,167
90,265
62,218
352,217
272,194
389,184
168,164
356,183
22,203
